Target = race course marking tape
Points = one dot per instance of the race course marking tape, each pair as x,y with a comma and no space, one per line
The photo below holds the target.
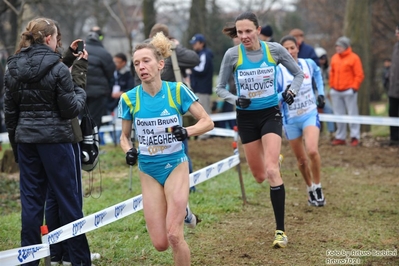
101,218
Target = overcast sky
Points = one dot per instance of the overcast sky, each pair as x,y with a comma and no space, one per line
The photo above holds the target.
231,5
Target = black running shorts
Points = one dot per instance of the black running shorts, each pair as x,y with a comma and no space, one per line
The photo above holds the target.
253,124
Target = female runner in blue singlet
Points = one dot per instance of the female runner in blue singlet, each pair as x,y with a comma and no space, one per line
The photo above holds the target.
253,63
155,108
301,120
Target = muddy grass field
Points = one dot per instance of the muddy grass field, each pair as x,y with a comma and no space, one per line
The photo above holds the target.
361,218
358,226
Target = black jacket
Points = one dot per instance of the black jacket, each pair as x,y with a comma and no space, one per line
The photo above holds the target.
100,70
40,98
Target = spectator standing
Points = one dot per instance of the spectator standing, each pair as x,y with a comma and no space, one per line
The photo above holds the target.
305,50
346,75
39,91
77,63
201,78
393,92
122,80
99,75
266,34
324,69
386,73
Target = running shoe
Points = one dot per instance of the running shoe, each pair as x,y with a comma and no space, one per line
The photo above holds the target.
191,221
280,239
312,201
321,201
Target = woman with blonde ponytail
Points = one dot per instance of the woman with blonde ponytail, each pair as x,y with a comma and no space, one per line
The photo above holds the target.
155,109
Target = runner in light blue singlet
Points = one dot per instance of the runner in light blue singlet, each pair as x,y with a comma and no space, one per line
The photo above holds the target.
303,112
159,152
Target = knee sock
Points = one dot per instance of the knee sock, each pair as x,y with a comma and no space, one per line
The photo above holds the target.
277,197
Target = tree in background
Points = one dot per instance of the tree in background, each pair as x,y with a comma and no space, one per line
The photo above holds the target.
149,16
198,20
357,25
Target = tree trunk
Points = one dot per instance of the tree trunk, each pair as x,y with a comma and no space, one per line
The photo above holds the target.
357,27
149,16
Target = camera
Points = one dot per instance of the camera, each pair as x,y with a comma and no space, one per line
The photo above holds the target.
80,47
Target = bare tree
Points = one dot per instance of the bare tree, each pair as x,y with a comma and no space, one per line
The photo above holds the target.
357,24
149,16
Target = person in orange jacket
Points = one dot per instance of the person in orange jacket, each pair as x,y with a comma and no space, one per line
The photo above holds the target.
346,75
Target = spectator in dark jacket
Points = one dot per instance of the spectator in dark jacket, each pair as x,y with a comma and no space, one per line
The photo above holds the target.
266,34
393,91
305,50
122,80
201,78
99,75
77,63
40,103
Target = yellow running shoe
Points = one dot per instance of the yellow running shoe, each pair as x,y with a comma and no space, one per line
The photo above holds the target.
280,239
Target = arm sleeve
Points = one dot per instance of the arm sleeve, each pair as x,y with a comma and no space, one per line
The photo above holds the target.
226,70
281,55
11,114
68,57
79,72
186,58
69,102
317,76
331,76
358,71
280,81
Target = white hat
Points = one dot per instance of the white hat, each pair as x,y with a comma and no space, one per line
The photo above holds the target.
320,51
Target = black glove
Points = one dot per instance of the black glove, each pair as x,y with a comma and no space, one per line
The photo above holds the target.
179,132
131,156
288,95
320,102
243,102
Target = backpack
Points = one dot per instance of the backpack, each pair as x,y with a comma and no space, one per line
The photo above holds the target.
89,146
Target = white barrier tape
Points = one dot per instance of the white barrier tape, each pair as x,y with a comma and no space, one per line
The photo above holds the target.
101,218
130,206
213,170
23,255
95,220
223,116
221,132
361,119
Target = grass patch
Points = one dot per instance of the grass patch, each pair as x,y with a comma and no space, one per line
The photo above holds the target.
360,185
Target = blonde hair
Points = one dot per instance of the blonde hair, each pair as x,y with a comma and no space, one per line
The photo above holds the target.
35,32
159,45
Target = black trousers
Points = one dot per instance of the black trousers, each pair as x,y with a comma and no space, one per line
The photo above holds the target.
394,112
51,165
